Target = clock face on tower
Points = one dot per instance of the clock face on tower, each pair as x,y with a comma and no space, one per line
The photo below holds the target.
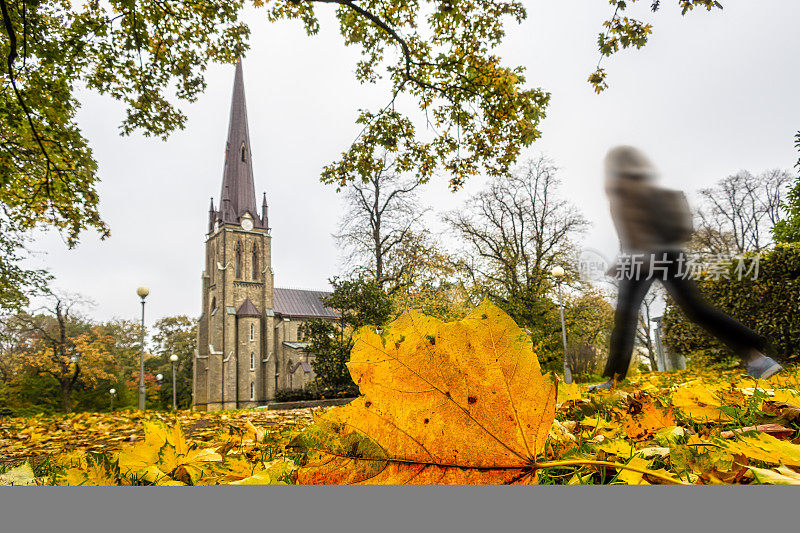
247,224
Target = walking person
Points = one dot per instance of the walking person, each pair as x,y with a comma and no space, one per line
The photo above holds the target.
654,225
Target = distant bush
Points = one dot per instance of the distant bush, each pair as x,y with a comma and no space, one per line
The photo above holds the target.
24,412
314,392
768,304
295,395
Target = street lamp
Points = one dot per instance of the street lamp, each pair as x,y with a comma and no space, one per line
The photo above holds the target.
142,292
174,359
558,273
112,392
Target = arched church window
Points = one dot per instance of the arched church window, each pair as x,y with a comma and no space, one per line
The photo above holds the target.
252,332
252,390
239,259
244,153
252,361
255,261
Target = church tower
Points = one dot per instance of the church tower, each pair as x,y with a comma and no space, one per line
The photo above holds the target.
234,367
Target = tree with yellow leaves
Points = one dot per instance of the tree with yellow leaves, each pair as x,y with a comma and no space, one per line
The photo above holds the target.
57,343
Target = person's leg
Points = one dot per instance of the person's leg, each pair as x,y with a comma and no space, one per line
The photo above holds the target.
742,340
629,300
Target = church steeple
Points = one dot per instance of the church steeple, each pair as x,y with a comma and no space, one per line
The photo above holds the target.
238,191
212,216
264,215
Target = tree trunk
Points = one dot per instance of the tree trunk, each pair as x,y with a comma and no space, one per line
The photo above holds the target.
653,361
66,394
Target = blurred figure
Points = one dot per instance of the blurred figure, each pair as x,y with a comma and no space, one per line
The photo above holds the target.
654,225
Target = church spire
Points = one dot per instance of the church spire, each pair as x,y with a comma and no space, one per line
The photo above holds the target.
212,216
237,181
264,216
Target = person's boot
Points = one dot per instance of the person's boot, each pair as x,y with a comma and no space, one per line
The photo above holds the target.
607,385
763,367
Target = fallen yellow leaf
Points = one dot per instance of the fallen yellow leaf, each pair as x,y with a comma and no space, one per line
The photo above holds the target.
461,403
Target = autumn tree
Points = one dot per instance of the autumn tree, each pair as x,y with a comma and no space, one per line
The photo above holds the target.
439,57
380,230
788,229
17,283
437,288
124,343
589,318
645,330
513,233
359,302
621,31
54,341
738,212
175,335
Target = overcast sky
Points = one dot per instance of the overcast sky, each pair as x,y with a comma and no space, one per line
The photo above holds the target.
712,93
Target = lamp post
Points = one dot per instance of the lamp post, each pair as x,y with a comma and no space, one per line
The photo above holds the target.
142,292
558,273
112,392
174,359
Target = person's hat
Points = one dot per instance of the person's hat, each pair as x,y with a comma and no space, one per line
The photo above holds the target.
627,161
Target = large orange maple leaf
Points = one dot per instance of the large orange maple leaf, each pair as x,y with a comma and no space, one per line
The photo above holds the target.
461,402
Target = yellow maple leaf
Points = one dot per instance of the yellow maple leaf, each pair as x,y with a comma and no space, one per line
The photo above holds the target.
699,401
460,402
787,396
253,433
270,474
93,474
617,447
165,456
648,421
567,392
139,459
632,477
765,447
783,476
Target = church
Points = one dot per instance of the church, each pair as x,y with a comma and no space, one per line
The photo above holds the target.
249,340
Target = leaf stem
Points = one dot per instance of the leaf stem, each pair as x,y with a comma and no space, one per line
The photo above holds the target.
549,464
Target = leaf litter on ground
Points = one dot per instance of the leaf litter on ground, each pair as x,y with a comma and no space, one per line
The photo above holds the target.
460,402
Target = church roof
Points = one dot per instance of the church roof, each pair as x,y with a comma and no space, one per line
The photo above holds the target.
296,345
301,364
302,303
248,308
238,195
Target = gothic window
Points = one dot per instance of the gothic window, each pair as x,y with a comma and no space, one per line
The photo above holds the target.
239,259
252,332
252,361
252,390
244,153
255,261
